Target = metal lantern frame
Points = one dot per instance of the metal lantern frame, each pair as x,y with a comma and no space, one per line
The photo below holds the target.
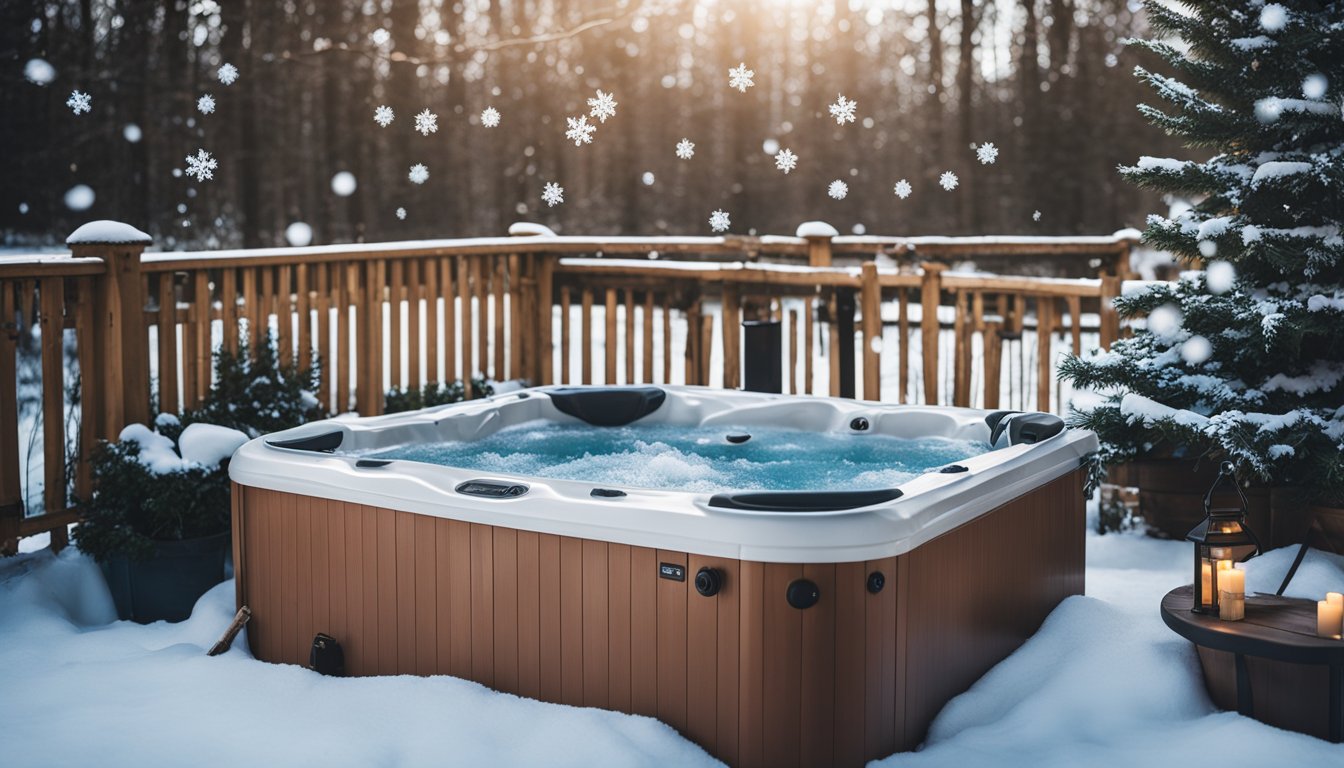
1222,535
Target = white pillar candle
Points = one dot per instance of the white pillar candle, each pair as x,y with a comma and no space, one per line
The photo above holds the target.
1337,600
1328,618
1232,594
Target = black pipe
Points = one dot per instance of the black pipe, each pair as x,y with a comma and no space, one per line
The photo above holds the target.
844,323
762,370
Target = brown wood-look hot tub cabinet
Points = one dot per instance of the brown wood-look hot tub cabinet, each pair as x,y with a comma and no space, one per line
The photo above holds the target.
756,681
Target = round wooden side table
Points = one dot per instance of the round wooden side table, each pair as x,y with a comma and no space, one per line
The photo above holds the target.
1279,629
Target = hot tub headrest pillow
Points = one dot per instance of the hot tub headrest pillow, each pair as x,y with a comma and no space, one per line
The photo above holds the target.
608,406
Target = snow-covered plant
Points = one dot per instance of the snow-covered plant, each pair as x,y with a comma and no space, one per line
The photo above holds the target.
255,393
1243,360
147,491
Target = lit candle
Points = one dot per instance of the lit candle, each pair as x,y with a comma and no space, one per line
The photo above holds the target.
1232,594
1337,600
1328,618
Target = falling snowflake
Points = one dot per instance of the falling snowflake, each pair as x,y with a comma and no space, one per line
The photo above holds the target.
987,153
419,174
1036,216
79,102
903,189
685,149
838,189
490,117
426,122
785,160
401,214
227,74
383,116
553,194
948,180
843,110
580,130
718,221
739,77
206,104
201,165
602,106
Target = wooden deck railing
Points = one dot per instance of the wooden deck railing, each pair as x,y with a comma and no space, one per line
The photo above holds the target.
140,328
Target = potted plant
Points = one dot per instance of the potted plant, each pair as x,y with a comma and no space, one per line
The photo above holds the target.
1242,359
158,522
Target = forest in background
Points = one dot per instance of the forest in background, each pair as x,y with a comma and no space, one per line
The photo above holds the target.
1048,82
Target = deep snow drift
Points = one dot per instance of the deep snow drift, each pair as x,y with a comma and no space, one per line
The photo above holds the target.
1104,683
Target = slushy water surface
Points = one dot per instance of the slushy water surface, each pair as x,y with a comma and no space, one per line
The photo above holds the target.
697,459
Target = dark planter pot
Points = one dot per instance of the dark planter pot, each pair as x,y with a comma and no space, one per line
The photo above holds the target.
1171,498
167,585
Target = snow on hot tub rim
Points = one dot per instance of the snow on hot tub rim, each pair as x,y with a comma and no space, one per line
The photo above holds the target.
929,505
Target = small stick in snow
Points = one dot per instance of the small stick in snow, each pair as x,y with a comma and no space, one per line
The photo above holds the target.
240,620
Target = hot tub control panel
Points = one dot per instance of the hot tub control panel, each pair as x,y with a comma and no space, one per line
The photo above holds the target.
491,490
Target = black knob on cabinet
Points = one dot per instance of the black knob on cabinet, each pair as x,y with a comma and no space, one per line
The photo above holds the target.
803,594
708,581
876,581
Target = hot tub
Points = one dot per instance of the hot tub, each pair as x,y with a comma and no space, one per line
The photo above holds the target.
796,614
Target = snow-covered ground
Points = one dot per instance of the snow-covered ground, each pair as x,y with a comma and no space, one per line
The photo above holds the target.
1104,683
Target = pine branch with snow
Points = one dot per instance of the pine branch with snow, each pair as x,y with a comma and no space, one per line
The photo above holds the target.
1252,367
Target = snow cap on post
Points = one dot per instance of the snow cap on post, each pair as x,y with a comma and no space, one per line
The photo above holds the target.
818,235
105,232
529,229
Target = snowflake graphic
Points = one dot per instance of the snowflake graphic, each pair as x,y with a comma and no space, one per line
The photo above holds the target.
201,165
785,160
580,130
987,153
719,222
838,189
206,104
739,77
401,214
843,109
685,149
1036,216
553,194
948,181
602,106
903,189
383,116
227,74
490,117
426,122
419,174
79,102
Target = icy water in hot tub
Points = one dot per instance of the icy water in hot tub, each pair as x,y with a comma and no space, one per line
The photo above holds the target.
700,459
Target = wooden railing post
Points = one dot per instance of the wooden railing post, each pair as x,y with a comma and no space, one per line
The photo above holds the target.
11,494
542,343
930,291
870,308
732,328
119,331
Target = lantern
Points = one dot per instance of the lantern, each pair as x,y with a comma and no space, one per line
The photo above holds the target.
1221,539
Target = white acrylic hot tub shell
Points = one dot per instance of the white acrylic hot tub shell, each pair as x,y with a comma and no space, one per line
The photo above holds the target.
931,504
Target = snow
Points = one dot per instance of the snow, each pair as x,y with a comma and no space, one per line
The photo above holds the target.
201,165
740,77
579,130
602,106
418,174
1142,410
227,74
1278,169
426,123
902,189
104,231
39,71
206,104
1251,43
156,451
383,116
490,117
1147,163
299,233
719,221
521,228
987,153
79,102
209,444
843,110
685,149
344,183
786,160
837,190
816,229
79,197
948,181
553,193
1103,683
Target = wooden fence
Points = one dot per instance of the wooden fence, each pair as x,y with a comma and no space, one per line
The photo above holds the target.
140,328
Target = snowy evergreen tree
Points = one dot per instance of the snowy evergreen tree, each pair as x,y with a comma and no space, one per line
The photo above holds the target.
1242,357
